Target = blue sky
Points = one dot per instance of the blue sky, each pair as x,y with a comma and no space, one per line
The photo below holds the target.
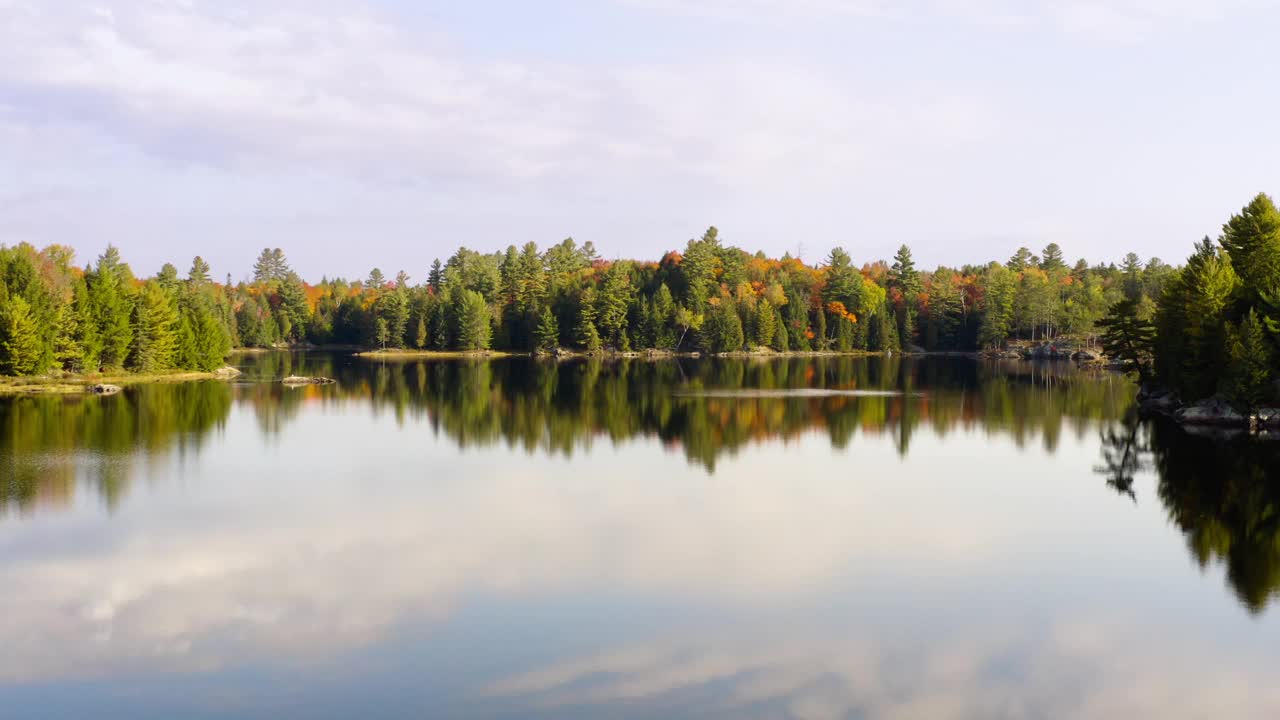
355,134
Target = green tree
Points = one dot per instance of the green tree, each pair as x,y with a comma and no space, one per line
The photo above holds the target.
585,332
722,331
112,308
1052,258
548,333
155,325
1252,239
1128,338
198,276
614,299
472,314
19,343
1251,364
766,323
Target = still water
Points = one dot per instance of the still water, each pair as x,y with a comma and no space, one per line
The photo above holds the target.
798,538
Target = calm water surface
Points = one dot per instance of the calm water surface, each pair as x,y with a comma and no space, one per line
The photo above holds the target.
801,538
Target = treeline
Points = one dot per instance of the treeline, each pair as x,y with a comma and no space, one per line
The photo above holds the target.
711,297
1216,328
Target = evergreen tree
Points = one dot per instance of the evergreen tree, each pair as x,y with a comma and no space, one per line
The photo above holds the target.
766,323
155,321
1052,258
780,342
1021,260
19,344
585,332
548,333
473,321
1252,239
112,308
1251,364
1127,338
436,276
198,276
614,299
722,331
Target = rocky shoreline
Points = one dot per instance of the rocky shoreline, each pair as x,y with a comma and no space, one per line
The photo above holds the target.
1210,415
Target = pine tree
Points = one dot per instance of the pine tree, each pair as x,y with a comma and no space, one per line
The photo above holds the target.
198,276
779,342
1052,258
19,343
112,308
67,352
1252,239
766,323
155,321
613,301
1021,260
548,332
1128,338
472,321
436,276
1251,362
585,332
87,337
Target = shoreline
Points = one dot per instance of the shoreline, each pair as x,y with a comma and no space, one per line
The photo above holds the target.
85,384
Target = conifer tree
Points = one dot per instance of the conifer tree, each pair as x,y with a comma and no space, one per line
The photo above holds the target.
112,308
548,332
585,332
472,321
19,344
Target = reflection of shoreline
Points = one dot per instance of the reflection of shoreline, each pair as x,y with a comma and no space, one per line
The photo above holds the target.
1221,491
708,408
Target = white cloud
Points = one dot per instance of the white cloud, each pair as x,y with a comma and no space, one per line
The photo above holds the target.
347,91
1110,19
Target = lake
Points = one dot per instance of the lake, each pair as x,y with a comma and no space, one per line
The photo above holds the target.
789,538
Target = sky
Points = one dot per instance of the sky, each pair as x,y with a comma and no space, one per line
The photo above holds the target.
389,132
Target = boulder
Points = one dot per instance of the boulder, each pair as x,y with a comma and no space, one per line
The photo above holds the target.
1213,411
226,373
1087,356
103,389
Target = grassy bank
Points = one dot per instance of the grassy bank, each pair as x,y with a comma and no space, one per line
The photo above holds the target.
80,384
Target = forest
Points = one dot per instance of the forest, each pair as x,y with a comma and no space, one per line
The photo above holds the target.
1213,322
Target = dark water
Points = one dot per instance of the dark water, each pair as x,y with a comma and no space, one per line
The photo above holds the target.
830,538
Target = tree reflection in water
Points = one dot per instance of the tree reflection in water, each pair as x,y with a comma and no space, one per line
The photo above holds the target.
1221,489
1222,493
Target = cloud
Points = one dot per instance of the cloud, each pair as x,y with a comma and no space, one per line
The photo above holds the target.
342,89
1112,20
1079,667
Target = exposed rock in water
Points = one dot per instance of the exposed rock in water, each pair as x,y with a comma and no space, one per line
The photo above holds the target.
1268,418
103,389
1213,411
226,373
300,380
1090,356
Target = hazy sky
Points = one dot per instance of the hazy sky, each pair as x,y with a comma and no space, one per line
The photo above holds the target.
355,134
